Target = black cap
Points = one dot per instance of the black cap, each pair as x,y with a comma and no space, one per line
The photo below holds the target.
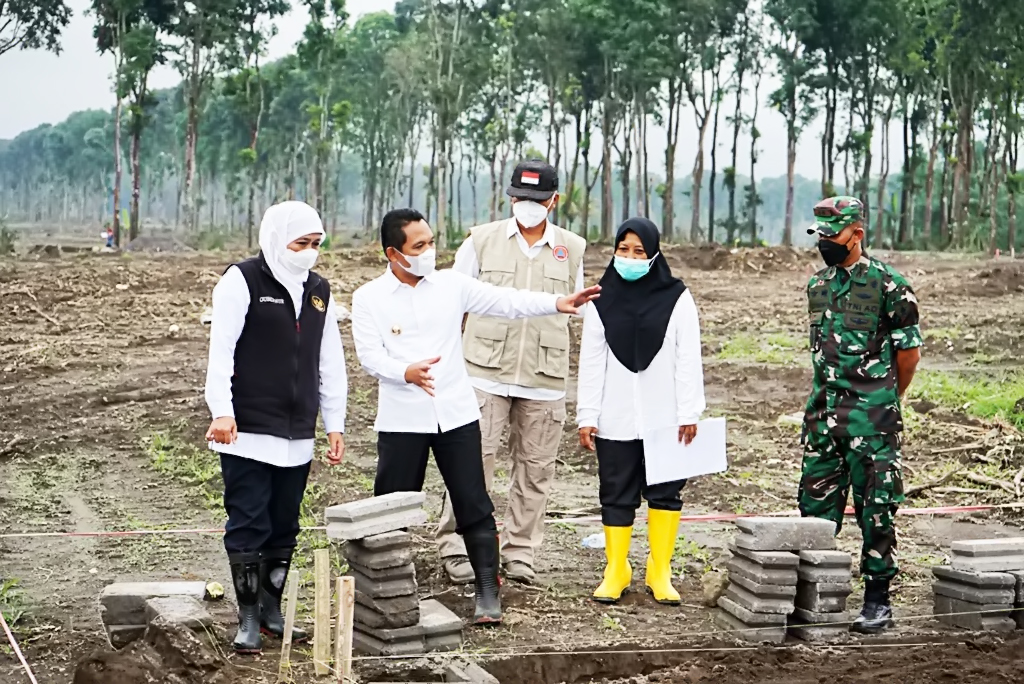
539,184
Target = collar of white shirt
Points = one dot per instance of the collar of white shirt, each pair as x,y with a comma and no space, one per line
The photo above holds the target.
393,283
547,239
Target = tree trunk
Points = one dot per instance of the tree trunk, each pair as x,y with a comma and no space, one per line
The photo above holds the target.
929,179
116,224
494,185
907,180
607,208
791,140
672,132
698,180
133,216
752,195
884,176
1012,147
714,159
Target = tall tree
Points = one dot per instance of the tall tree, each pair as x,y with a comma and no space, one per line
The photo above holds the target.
31,24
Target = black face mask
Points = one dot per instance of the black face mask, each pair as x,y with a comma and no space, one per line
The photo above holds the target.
832,252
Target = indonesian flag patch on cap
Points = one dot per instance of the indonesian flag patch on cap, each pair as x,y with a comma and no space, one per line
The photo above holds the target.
530,178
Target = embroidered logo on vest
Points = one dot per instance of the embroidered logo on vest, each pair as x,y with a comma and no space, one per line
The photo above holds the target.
561,253
317,303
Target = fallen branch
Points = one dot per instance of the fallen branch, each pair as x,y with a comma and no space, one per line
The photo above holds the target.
917,489
961,490
963,447
991,482
11,445
46,316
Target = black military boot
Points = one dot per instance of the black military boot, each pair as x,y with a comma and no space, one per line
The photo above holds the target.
876,616
482,549
274,566
245,574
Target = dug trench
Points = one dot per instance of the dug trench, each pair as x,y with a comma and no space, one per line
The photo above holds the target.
101,375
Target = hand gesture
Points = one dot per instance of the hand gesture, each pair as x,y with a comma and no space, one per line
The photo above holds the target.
587,436
222,430
419,374
336,448
572,303
687,433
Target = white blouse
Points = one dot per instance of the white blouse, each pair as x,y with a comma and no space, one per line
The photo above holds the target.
623,405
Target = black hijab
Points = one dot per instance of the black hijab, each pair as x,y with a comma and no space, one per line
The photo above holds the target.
636,314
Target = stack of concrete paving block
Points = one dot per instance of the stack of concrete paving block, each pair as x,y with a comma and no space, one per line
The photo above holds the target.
763,574
127,608
824,583
981,588
389,618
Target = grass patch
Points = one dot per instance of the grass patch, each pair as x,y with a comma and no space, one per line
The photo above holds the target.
688,550
776,348
943,334
197,468
12,602
979,396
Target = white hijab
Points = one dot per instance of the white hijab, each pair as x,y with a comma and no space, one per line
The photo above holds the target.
283,224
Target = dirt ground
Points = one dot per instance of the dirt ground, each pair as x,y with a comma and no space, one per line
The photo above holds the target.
102,361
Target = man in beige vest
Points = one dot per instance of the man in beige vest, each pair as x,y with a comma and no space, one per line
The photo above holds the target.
519,368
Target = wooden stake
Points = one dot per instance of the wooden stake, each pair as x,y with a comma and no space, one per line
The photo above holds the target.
322,608
284,669
343,645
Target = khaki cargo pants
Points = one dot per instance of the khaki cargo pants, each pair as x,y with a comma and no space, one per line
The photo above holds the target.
535,432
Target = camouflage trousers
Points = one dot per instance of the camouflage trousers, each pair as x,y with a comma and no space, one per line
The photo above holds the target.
871,467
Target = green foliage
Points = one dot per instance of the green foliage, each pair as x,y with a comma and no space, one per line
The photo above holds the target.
982,396
12,601
198,468
28,24
7,239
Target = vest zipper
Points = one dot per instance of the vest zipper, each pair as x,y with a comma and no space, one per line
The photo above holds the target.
522,332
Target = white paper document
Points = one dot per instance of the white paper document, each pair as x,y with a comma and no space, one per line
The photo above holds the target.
668,459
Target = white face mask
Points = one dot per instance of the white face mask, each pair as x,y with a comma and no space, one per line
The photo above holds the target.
300,262
530,214
421,265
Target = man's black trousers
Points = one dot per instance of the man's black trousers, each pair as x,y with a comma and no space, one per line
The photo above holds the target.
262,502
402,467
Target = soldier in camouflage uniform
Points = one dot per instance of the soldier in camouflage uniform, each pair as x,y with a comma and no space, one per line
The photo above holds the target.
865,343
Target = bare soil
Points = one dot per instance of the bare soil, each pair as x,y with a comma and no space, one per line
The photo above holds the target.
102,361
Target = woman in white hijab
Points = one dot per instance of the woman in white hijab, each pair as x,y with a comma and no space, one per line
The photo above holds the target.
276,360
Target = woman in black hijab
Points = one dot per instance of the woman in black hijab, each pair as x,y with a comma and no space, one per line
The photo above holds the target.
640,370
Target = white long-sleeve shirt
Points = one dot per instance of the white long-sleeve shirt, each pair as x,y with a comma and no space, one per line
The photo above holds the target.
230,305
466,262
396,325
623,405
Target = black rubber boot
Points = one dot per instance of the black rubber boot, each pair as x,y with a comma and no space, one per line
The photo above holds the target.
274,567
876,616
245,574
482,549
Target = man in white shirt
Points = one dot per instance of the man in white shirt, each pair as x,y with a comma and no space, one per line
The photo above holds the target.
406,325
519,369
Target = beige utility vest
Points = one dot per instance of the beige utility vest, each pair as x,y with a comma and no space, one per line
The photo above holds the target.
529,352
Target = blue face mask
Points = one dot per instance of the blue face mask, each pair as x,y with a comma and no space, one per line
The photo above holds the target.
633,269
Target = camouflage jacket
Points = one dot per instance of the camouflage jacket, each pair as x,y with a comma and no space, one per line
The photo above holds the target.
857,319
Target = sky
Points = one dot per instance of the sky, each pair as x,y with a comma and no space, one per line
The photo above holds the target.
41,87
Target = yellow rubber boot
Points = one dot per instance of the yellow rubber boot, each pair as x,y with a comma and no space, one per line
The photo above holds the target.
617,573
662,529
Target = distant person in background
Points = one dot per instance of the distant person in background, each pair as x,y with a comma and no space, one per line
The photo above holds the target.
108,235
276,361
640,370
